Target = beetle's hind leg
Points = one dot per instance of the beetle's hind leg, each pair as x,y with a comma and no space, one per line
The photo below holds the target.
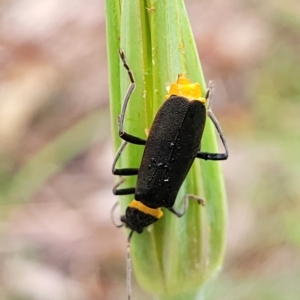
122,172
186,200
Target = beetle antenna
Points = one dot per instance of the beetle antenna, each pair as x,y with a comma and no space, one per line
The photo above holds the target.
112,211
128,267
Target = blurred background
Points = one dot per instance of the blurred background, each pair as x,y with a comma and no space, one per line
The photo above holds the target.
56,237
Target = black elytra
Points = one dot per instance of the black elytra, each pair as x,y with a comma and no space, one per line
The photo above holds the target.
170,150
172,145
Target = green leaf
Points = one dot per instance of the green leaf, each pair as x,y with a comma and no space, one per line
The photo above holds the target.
173,258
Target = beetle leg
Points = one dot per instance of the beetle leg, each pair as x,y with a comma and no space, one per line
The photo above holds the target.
124,171
207,155
186,199
215,156
124,191
112,211
123,135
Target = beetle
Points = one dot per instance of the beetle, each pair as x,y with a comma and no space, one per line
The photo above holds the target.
172,145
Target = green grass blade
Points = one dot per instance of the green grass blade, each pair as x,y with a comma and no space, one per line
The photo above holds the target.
174,257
